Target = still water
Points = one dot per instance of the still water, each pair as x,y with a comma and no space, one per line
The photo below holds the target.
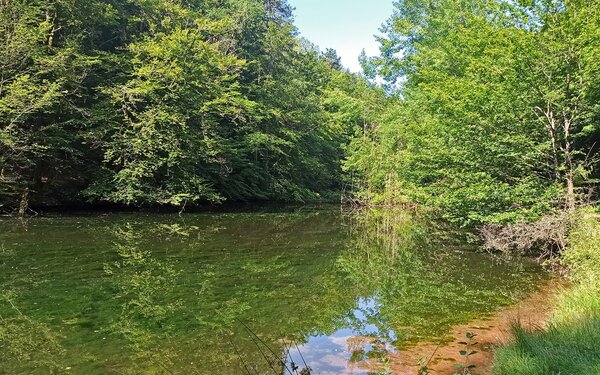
262,292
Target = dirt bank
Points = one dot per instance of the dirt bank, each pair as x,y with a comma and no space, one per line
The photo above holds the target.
495,330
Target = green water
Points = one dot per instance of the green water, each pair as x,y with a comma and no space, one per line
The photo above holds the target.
228,293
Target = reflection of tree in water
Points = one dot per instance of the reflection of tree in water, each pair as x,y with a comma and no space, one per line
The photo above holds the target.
405,281
380,259
175,294
179,316
27,346
144,289
420,278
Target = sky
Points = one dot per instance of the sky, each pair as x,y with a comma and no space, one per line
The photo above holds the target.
347,26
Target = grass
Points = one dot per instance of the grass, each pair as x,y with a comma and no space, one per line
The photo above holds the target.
571,343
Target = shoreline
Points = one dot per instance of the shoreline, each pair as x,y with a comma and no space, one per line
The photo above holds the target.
532,313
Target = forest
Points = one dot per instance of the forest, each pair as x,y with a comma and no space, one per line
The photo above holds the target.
483,113
488,109
497,116
168,103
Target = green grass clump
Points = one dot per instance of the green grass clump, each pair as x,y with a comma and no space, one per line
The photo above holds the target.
571,343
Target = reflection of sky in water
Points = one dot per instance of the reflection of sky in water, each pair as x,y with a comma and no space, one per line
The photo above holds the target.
357,349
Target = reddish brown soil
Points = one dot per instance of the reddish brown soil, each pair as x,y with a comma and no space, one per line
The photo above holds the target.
531,313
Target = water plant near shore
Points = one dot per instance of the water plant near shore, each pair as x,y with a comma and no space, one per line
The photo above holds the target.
466,367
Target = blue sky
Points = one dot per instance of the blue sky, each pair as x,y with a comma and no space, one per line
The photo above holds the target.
345,25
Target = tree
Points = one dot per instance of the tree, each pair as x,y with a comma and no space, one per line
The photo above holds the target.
42,75
472,137
330,55
166,140
559,70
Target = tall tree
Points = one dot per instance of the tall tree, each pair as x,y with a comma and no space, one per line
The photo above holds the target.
165,140
559,69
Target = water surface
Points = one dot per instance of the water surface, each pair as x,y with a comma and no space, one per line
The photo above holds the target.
237,293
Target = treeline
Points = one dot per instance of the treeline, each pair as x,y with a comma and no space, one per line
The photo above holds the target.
168,102
491,113
497,113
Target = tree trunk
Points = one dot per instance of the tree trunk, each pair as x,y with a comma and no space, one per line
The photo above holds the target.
570,192
567,123
24,205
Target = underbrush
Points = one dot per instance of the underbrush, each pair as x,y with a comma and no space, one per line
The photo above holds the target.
570,345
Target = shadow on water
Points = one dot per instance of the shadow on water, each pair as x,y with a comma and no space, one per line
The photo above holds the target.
255,293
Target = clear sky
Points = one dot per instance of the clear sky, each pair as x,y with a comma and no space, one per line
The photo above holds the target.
347,26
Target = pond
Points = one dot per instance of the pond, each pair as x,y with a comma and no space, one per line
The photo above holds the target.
272,291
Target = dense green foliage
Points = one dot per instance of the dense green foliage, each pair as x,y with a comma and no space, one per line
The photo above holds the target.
166,102
571,344
496,118
491,113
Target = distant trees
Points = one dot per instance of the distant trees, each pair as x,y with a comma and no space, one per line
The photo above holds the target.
497,118
162,102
